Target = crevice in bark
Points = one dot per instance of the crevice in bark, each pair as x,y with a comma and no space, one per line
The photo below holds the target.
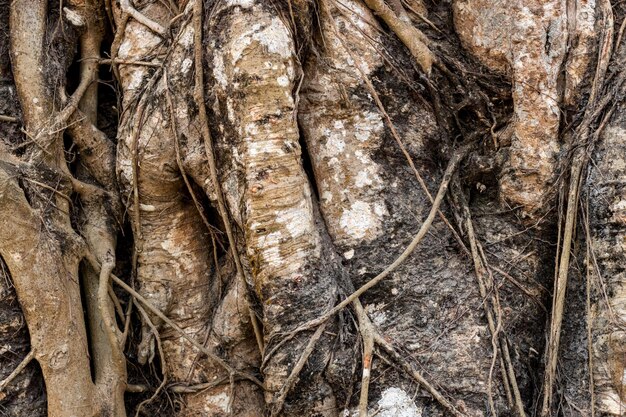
307,165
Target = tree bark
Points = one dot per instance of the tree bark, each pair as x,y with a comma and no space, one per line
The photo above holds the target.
312,208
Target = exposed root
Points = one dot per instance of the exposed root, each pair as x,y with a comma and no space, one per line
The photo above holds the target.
128,62
208,144
411,37
443,188
578,165
212,229
157,337
108,320
90,43
418,377
127,8
421,16
588,312
394,132
126,331
489,294
9,119
115,45
456,158
367,330
27,359
174,326
293,376
97,152
56,292
72,103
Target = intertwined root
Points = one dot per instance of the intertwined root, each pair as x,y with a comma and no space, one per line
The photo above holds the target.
273,85
42,250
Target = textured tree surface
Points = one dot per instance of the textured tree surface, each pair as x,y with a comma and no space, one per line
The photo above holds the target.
392,208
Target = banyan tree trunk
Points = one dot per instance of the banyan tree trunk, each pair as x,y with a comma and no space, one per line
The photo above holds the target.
399,208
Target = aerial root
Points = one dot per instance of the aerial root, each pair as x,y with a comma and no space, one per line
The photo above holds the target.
411,37
228,368
157,337
293,376
367,330
115,45
6,381
129,10
8,119
208,146
490,300
582,151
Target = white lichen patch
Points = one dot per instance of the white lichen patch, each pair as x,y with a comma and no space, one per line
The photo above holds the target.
334,145
276,38
360,221
395,402
246,4
221,401
186,65
351,183
283,81
219,70
273,36
291,219
187,37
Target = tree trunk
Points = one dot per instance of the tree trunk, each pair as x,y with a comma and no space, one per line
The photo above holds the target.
312,208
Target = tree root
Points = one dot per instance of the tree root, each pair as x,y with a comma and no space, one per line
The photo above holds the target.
411,37
178,329
293,376
128,62
115,45
157,337
208,145
212,229
395,134
6,381
90,43
579,163
367,330
588,312
128,9
8,119
491,303
46,124
371,337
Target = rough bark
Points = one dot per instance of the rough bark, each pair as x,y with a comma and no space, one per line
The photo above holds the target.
267,160
606,220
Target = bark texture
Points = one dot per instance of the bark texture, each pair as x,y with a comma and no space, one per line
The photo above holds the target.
312,208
